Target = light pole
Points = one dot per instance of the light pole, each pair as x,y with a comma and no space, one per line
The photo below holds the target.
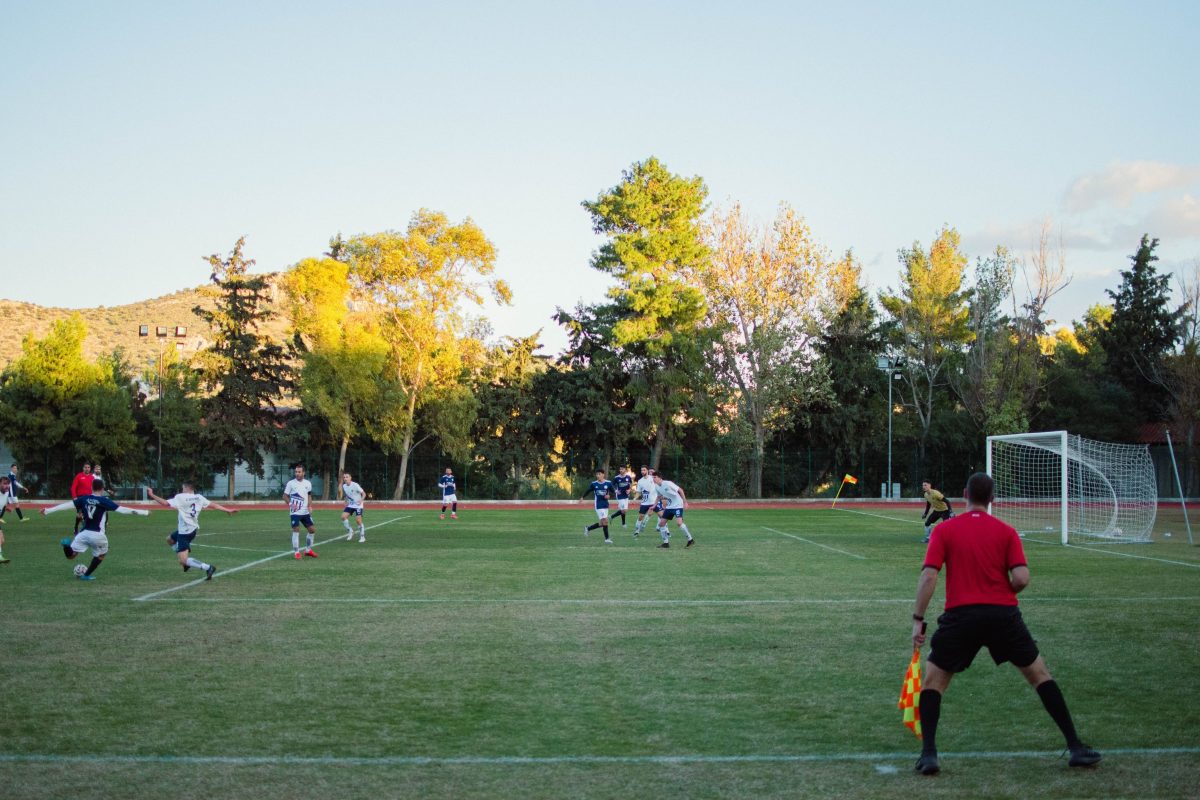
886,364
161,333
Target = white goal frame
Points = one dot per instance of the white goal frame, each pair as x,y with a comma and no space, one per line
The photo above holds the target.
1109,503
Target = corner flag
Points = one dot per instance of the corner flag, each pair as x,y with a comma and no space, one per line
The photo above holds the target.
910,695
847,478
850,479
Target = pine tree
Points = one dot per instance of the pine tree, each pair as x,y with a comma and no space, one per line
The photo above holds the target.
1143,330
244,372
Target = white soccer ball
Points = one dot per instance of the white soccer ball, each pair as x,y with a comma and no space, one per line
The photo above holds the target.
80,570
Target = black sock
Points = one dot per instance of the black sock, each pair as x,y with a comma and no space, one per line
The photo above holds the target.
1056,706
605,531
19,514
593,526
92,567
931,709
454,508
443,509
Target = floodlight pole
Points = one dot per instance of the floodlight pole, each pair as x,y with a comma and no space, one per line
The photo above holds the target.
885,363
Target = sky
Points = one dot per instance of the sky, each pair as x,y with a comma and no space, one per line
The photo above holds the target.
138,137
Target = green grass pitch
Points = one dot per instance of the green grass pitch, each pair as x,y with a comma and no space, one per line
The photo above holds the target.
504,655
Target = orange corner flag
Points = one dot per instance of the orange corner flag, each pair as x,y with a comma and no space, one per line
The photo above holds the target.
850,479
910,695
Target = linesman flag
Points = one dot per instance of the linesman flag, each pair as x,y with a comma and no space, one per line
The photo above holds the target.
910,695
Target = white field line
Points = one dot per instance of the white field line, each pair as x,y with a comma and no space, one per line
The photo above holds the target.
241,567
907,520
1040,541
417,761
1191,564
817,544
789,601
239,549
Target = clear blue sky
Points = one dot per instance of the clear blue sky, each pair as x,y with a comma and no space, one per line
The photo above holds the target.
137,137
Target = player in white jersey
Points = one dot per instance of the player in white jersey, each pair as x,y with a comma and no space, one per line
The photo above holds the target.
5,499
674,501
297,493
647,499
189,505
354,495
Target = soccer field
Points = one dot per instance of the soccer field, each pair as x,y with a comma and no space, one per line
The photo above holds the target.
504,654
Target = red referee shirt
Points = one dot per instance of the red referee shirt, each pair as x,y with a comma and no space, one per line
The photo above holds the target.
977,550
81,485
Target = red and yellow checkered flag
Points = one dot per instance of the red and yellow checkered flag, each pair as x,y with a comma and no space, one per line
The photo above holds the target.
910,695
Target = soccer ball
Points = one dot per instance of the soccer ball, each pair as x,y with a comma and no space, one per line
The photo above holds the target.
80,570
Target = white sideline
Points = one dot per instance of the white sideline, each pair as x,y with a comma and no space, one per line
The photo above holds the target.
818,544
241,567
570,601
417,761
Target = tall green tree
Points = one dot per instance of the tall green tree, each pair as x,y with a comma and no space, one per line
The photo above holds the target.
345,373
244,373
928,318
653,223
1143,331
768,292
418,283
57,408
849,346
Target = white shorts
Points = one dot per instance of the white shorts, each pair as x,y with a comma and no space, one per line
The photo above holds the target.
449,498
623,503
601,513
98,542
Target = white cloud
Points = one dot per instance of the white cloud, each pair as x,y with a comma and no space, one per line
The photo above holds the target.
1122,182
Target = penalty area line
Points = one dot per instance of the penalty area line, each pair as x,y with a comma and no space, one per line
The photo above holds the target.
417,761
241,567
817,544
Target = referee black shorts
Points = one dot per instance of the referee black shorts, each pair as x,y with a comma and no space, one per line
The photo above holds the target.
963,630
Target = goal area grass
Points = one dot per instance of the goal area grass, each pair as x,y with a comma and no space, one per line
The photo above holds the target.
504,654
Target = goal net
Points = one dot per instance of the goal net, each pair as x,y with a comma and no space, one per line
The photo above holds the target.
1072,488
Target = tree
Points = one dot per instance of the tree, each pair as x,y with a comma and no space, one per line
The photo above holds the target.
345,372
417,283
244,373
929,319
848,347
173,417
1143,330
56,408
768,293
653,223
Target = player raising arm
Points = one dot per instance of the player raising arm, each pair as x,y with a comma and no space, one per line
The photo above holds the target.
189,504
93,508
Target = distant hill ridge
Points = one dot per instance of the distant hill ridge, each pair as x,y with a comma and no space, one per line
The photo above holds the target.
110,327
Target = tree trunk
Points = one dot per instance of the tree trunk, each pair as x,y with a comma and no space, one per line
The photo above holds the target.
342,462
756,463
229,475
405,453
325,482
660,442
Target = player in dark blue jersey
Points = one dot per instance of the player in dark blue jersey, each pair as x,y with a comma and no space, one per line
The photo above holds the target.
15,487
622,484
599,490
449,494
94,509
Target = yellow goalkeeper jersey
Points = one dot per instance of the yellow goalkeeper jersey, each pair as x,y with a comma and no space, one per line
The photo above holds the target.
936,500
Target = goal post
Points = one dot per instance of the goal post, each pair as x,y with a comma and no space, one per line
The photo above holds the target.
1075,489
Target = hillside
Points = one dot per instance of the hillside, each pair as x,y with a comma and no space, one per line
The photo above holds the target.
110,327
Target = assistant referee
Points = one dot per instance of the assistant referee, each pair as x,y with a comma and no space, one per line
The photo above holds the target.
985,569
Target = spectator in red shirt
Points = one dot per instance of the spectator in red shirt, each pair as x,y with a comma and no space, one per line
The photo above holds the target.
81,487
985,569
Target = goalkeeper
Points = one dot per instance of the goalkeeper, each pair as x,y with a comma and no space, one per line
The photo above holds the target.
937,508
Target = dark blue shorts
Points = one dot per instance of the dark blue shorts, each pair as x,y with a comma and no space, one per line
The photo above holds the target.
355,511
183,541
669,514
302,519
